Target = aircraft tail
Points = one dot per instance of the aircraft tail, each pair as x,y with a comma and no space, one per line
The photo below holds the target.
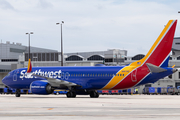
158,55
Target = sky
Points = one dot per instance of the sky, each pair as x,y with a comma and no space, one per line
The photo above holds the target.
89,25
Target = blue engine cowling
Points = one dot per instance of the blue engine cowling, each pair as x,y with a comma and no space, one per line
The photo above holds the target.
41,87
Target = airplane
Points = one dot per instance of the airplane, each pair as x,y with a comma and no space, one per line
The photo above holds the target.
87,80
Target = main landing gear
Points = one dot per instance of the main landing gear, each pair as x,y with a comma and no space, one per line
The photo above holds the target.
94,94
71,94
18,93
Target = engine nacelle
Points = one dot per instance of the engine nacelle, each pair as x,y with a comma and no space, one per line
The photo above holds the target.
41,87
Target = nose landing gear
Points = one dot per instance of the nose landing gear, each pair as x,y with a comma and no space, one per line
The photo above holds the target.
18,93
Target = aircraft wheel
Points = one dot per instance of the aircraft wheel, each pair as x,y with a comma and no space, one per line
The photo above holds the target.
18,94
94,94
97,94
71,94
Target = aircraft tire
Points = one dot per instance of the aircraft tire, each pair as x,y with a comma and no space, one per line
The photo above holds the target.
94,94
74,94
71,94
18,94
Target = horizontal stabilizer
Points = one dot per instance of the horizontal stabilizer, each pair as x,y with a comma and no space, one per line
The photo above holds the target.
155,69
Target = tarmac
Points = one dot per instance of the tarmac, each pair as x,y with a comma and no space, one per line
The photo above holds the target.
106,107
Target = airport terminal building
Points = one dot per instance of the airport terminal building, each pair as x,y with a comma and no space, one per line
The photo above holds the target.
15,55
10,57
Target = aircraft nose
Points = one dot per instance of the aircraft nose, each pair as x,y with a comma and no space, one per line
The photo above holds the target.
4,80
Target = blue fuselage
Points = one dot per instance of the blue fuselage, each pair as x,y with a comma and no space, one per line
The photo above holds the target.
86,77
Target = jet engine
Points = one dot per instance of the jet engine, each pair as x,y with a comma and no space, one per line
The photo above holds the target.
41,87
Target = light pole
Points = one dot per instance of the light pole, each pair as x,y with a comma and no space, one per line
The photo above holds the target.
29,43
61,42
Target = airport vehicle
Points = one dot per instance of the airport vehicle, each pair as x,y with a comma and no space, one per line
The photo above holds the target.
86,80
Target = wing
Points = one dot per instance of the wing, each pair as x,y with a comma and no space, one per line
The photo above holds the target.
56,82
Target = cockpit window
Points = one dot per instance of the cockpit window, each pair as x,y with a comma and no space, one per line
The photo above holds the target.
8,74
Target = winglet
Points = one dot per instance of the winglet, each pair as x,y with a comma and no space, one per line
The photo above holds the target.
29,69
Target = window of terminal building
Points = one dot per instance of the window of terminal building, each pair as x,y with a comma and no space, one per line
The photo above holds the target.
177,43
26,57
95,57
109,60
35,58
47,56
3,70
178,58
9,60
138,57
39,57
74,58
170,58
56,56
15,50
43,57
52,56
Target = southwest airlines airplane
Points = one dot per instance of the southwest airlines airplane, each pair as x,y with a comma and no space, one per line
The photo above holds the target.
86,80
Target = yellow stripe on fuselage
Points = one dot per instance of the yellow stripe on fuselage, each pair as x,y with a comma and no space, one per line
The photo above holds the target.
116,79
119,76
